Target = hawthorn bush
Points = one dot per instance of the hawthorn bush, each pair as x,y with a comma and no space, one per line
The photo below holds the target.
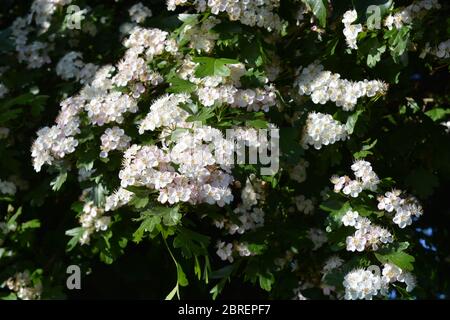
114,122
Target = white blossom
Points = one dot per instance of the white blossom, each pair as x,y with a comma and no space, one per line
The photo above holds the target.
324,86
321,129
139,12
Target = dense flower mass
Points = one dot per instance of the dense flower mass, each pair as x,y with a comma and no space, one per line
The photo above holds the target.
368,283
409,13
321,129
253,13
366,179
324,86
405,207
351,30
212,129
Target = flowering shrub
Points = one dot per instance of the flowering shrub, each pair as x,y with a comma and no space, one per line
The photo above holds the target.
300,146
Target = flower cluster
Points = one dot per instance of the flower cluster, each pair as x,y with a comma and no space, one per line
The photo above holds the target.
332,263
367,235
139,12
442,50
92,220
405,207
42,11
225,250
54,143
304,205
114,139
250,216
35,54
164,112
318,237
102,103
321,129
201,37
351,31
298,172
4,132
226,90
22,285
252,13
118,199
251,99
7,187
197,178
3,90
411,12
366,179
324,86
71,66
370,282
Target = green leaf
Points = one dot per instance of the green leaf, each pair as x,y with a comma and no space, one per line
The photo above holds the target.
98,193
59,181
76,234
10,296
437,113
32,224
148,225
374,51
204,114
213,67
257,123
139,202
12,221
266,280
318,9
398,40
351,121
181,276
178,85
172,293
191,243
171,216
399,258
224,272
257,249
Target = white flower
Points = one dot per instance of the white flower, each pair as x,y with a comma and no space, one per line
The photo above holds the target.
361,284
3,90
355,243
353,188
225,251
404,208
253,13
4,133
332,263
324,86
92,220
298,173
409,279
321,129
304,205
114,139
318,237
351,31
139,12
408,14
7,187
349,17
350,218
391,273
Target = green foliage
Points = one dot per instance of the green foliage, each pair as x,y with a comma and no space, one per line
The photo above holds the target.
46,217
